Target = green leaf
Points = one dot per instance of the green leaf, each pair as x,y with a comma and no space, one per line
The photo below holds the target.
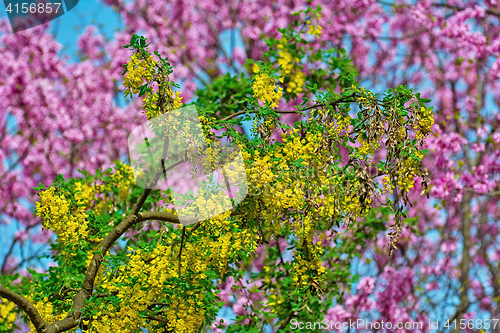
134,38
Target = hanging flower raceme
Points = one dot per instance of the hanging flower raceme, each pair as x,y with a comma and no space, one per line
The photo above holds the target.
138,70
145,76
425,124
264,88
64,216
314,29
290,68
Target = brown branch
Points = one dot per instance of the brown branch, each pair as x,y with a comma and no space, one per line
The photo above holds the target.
456,8
180,250
159,319
26,306
491,194
196,226
72,318
113,293
157,216
466,258
158,303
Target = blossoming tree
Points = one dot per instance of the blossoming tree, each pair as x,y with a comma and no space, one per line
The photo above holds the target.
449,49
450,60
315,197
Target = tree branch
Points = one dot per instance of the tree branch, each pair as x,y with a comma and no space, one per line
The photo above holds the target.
491,194
26,306
159,319
243,112
72,318
157,216
456,8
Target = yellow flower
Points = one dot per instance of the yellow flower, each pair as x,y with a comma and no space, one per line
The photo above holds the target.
265,90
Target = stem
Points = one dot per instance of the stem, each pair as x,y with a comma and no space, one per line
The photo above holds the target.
182,244
27,307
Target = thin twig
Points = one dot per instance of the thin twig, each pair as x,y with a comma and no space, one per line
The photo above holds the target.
491,194
182,244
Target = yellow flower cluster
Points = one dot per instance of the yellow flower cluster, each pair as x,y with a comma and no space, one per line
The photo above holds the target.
406,183
367,148
65,212
343,123
289,68
314,29
87,193
142,69
261,173
46,311
57,213
297,81
406,179
365,95
150,271
123,179
264,88
276,298
138,69
297,147
401,133
276,176
285,58
183,313
307,266
178,100
304,265
386,183
426,122
152,109
7,313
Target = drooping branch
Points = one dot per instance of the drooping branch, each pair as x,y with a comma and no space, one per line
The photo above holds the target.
72,318
27,308
341,100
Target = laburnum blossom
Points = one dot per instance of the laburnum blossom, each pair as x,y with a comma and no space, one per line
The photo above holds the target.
461,79
264,88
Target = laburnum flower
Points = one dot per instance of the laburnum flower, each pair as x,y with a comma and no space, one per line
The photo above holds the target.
59,214
7,313
138,70
289,67
314,29
264,88
425,124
